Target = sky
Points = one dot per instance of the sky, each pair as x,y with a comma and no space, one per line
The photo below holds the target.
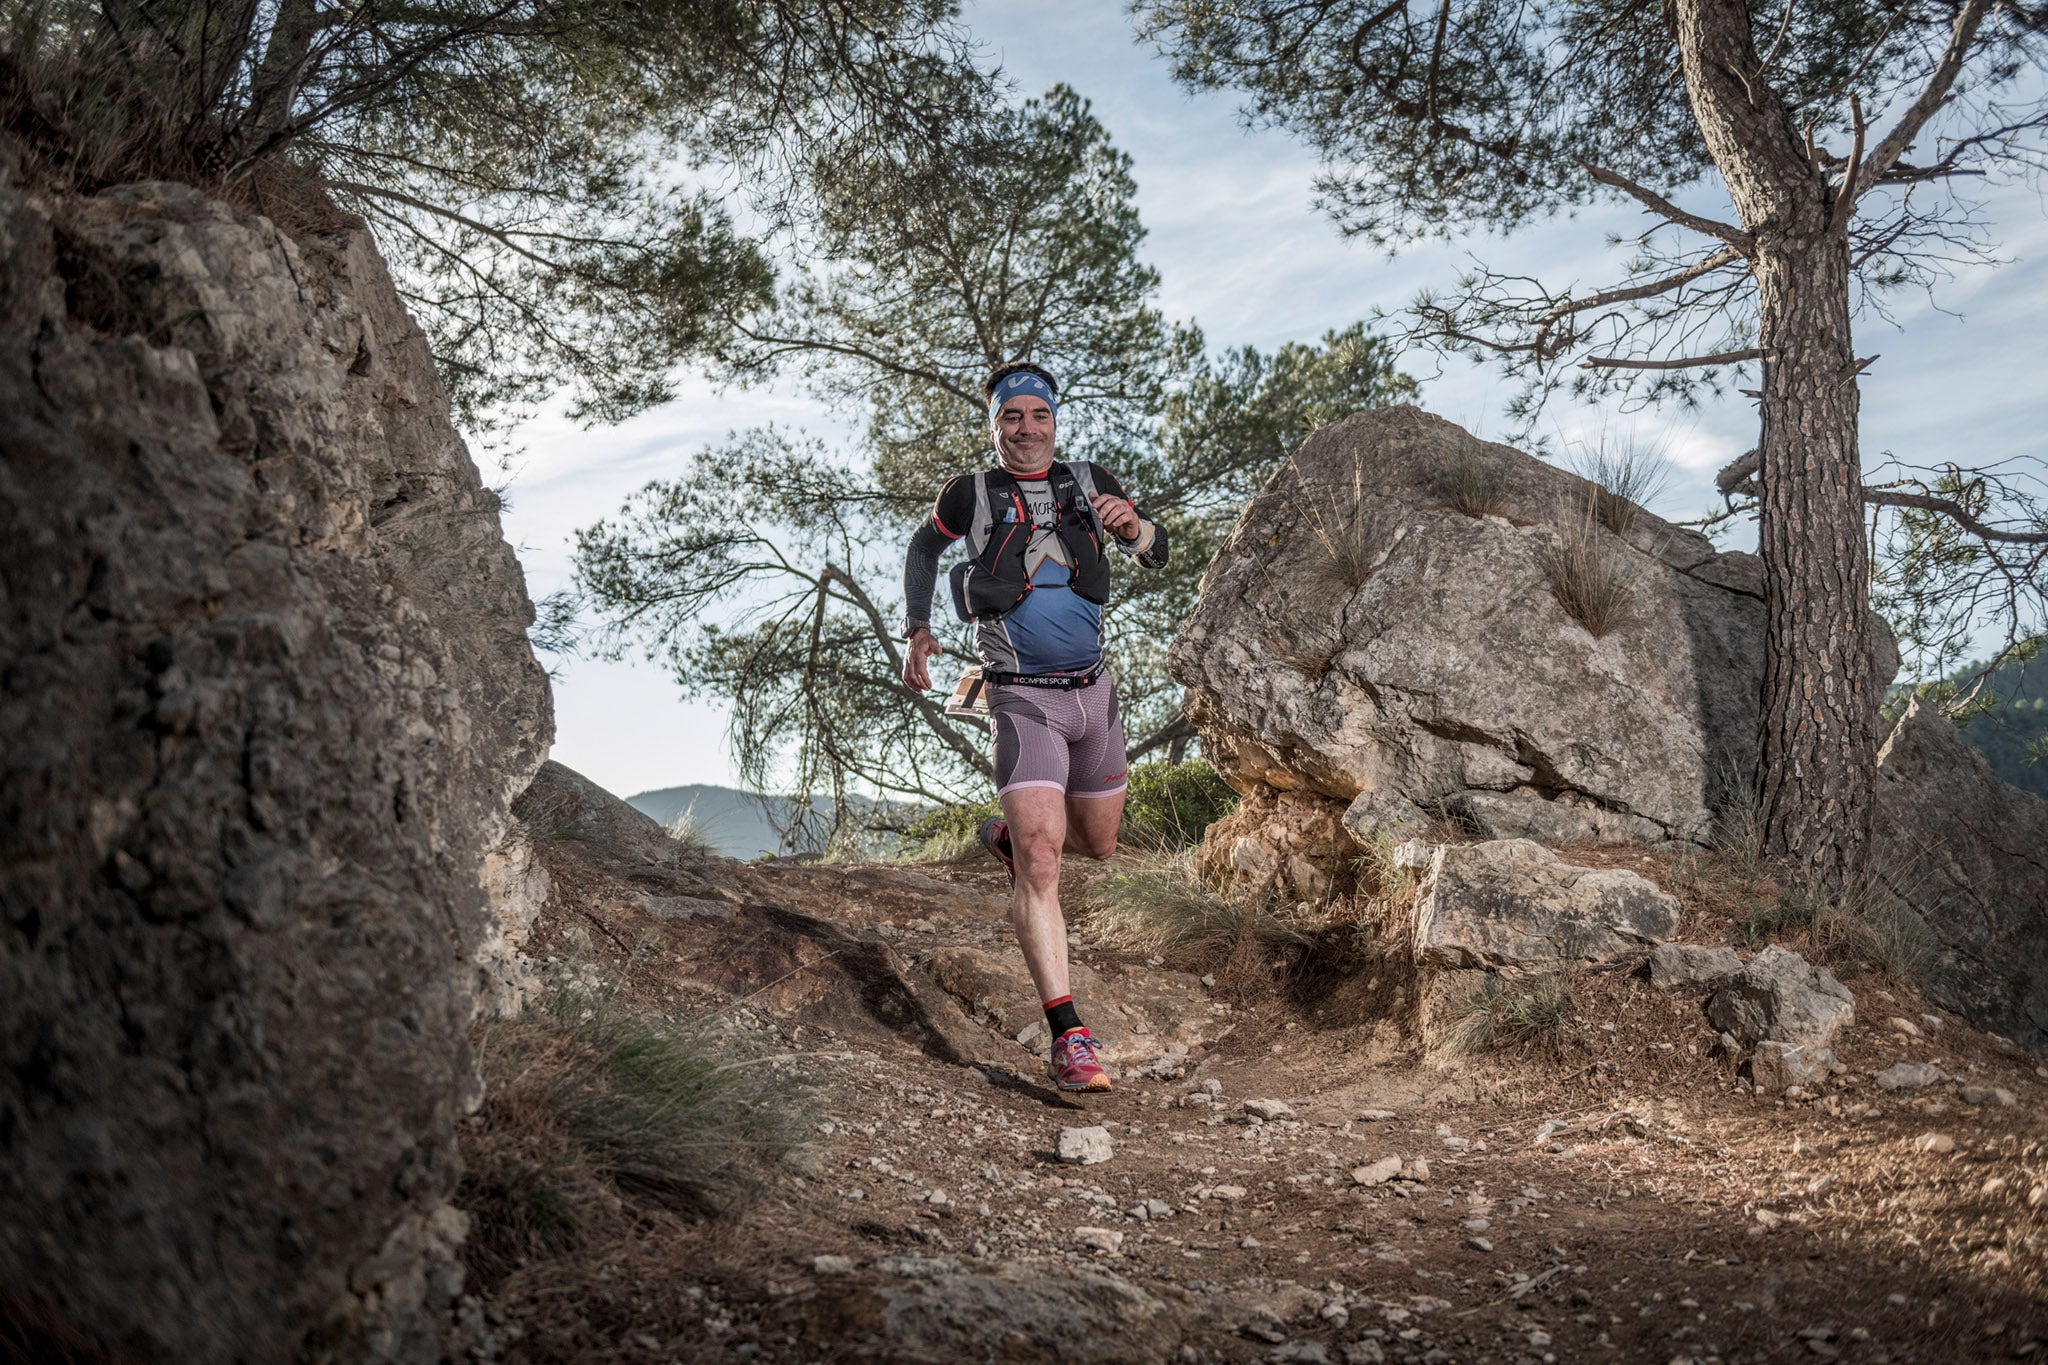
1241,250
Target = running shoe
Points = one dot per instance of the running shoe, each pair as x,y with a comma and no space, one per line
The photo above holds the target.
1074,1065
995,837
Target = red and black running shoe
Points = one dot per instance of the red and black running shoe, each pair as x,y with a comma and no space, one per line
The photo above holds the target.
995,837
1074,1065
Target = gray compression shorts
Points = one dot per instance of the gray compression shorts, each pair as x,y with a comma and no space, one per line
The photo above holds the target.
1070,739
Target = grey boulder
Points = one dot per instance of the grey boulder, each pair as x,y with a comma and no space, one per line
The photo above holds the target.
1513,905
1908,1076
1777,1067
1362,643
1674,966
1780,997
1084,1146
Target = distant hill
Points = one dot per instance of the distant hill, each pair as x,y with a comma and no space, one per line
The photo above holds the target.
2003,734
738,823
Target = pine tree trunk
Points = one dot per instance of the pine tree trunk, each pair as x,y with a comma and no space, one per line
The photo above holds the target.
1817,723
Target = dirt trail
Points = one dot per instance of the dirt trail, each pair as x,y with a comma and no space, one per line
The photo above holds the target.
1614,1195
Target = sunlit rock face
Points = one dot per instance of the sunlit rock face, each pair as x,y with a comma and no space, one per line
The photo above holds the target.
1386,629
266,697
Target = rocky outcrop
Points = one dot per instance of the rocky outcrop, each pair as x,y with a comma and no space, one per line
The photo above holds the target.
1512,905
266,698
1780,997
1970,853
1362,640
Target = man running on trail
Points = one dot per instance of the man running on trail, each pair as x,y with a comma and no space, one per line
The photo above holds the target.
1033,584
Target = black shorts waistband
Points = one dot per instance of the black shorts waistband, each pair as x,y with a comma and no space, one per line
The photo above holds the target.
1062,681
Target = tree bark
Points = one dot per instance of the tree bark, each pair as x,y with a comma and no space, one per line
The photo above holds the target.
1817,722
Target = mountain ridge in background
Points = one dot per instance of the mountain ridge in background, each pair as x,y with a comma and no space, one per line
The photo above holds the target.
738,824
2004,733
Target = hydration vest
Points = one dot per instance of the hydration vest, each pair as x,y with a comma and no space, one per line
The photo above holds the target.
992,580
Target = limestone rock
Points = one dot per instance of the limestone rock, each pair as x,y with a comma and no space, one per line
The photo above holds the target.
1970,853
563,804
1676,965
267,696
1025,1310
1781,997
1083,1146
1778,1067
1908,1076
1362,643
516,888
1511,904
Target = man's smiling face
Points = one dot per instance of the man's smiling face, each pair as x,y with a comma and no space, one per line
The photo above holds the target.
1024,434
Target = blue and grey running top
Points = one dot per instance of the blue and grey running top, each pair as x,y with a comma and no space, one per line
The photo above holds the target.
1056,631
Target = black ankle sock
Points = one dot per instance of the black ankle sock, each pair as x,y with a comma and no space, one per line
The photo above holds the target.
1060,1016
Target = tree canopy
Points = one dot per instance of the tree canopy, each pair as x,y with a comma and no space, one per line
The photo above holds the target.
554,181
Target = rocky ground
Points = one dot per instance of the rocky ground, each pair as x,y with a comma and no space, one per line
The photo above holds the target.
1282,1173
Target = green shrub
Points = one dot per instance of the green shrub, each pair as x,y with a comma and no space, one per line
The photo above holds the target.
1172,805
949,832
1168,806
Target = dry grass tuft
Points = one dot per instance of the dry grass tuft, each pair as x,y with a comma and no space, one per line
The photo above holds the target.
689,833
1160,904
1504,1013
1475,485
589,1113
1339,518
1626,477
1592,583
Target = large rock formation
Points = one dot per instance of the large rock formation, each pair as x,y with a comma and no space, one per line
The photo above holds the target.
266,697
1969,852
1364,642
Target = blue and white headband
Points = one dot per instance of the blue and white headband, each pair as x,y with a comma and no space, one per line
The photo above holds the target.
1022,384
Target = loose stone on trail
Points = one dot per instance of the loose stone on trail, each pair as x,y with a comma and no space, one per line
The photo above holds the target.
1084,1146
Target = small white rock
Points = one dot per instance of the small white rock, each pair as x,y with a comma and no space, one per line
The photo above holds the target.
1269,1109
1378,1172
1375,1115
1084,1146
1907,1076
1937,1144
832,1265
1101,1239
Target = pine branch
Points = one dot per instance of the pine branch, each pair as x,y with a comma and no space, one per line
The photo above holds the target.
1658,204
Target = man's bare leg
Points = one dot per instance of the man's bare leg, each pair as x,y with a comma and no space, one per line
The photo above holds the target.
1037,817
1092,823
1045,822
